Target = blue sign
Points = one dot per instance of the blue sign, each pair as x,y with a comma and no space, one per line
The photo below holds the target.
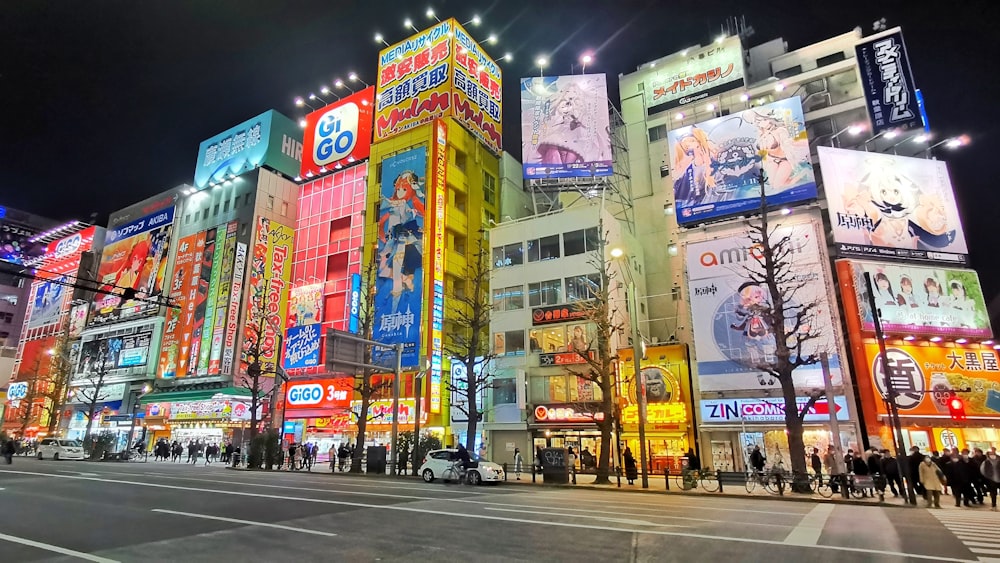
923,111
355,303
399,288
888,83
302,346
270,138
715,164
139,226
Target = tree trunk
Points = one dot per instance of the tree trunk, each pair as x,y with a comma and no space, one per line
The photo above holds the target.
604,462
472,407
796,445
254,404
359,440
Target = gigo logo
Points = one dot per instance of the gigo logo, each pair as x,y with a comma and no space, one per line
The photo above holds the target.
68,246
336,134
301,395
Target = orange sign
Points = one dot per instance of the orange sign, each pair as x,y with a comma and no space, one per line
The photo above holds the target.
926,376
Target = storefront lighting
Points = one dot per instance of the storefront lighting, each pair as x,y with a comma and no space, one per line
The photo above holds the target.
298,178
779,87
492,39
672,250
890,134
668,209
720,39
961,340
322,169
921,138
935,339
507,57
710,107
744,97
679,116
909,338
987,342
786,211
996,346
302,123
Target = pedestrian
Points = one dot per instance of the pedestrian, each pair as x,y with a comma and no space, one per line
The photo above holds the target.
403,454
874,463
482,451
8,449
176,450
990,470
890,469
190,450
519,460
343,454
292,451
817,465
332,454
631,471
957,472
572,463
913,462
538,459
933,479
757,460
859,468
974,476
941,461
978,481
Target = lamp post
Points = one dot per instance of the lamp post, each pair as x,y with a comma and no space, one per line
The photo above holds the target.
418,383
640,381
135,409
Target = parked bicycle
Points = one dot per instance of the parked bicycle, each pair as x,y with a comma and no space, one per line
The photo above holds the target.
691,478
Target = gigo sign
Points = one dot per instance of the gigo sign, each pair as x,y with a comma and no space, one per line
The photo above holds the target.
338,134
319,394
17,391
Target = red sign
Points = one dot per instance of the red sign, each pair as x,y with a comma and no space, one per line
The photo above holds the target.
320,394
338,134
562,413
558,314
561,358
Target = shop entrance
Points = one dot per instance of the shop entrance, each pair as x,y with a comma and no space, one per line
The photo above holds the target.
583,442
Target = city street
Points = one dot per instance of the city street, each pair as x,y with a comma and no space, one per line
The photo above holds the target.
167,512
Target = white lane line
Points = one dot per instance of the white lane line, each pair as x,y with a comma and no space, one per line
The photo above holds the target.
247,522
56,548
982,543
559,510
985,551
618,520
80,473
667,505
452,514
811,526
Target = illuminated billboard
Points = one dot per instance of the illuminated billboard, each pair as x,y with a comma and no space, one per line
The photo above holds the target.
120,354
919,300
695,76
176,344
565,126
270,274
890,93
135,257
338,134
399,286
715,164
306,306
887,206
477,90
729,308
270,138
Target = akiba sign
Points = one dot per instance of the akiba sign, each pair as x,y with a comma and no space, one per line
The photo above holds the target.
768,410
338,134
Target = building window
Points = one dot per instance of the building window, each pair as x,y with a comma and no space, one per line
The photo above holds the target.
508,255
508,298
460,160
284,208
510,343
544,293
270,202
460,201
578,242
225,206
459,244
246,200
489,188
545,248
215,212
491,219
581,288
563,389
561,338
187,218
196,213
658,132
830,59
505,391
791,71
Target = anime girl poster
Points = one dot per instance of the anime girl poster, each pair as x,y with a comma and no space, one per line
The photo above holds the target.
400,253
715,164
565,126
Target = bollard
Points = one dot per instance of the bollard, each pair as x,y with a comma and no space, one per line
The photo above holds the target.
666,478
505,471
718,477
533,468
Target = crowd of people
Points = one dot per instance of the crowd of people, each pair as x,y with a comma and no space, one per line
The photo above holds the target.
165,450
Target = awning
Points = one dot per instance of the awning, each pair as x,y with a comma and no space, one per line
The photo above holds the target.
195,395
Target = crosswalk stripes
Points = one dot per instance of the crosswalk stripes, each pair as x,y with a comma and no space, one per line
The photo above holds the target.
979,531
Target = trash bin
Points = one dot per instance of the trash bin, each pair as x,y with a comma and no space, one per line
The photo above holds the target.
376,461
555,465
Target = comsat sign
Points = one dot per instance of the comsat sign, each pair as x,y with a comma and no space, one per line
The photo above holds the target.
320,394
768,410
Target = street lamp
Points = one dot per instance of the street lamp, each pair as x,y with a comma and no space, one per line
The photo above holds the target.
353,77
340,84
409,23
853,130
541,63
325,90
640,381
476,20
586,60
313,97
300,102
951,143
432,15
380,39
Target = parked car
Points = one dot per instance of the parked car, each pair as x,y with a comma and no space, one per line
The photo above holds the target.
60,448
437,461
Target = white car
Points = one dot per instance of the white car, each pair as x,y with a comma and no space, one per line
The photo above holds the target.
438,461
60,448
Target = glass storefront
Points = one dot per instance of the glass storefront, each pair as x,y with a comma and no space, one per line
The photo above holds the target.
580,440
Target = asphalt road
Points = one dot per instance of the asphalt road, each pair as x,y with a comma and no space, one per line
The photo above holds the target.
72,511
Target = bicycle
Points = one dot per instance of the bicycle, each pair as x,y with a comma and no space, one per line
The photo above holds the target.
692,478
819,486
755,478
454,472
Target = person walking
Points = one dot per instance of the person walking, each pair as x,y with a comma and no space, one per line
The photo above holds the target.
8,450
572,463
957,472
990,471
292,450
404,454
538,459
631,471
817,465
519,460
890,469
913,462
941,461
933,479
978,481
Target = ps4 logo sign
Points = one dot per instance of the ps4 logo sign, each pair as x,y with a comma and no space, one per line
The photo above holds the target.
68,246
336,134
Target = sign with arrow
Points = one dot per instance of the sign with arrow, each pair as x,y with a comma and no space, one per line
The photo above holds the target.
768,410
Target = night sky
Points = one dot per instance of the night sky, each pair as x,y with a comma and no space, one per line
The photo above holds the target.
105,103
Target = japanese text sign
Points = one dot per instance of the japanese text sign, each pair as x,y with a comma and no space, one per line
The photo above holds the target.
695,76
270,138
890,93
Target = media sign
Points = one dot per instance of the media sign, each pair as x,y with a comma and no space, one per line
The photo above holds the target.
695,76
890,92
338,134
17,390
270,274
269,139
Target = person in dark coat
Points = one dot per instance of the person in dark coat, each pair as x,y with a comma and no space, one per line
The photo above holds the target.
757,459
890,468
913,469
959,477
817,464
941,461
631,471
8,450
694,464
978,481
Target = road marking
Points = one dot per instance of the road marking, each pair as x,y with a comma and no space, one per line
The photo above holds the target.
560,510
978,532
669,505
56,548
600,517
452,514
247,522
80,473
811,526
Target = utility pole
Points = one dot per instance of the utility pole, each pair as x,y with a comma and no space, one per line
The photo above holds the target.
640,381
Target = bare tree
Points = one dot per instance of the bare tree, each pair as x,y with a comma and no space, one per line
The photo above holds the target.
60,372
367,383
36,381
94,392
599,359
256,348
791,320
467,340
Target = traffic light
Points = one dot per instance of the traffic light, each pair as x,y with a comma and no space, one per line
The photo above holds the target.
956,408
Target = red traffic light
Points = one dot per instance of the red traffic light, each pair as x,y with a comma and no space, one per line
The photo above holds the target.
956,408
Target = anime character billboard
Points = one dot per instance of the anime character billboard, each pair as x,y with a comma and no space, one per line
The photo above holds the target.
399,285
134,258
730,308
715,164
565,127
890,206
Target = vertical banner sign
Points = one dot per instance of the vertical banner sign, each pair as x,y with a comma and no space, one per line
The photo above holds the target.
270,273
222,299
437,317
477,89
173,350
208,327
413,81
201,300
302,346
399,285
307,305
888,83
233,317
355,304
